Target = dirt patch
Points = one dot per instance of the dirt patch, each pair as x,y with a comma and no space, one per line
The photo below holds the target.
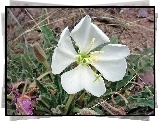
132,26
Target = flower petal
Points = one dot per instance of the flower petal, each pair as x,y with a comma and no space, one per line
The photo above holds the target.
85,31
112,70
82,77
65,41
64,54
72,80
94,85
99,35
114,52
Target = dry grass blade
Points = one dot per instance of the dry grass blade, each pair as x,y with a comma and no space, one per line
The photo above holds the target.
11,13
43,75
114,110
48,17
115,21
32,18
29,30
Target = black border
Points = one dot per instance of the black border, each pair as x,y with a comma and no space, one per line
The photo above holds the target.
67,6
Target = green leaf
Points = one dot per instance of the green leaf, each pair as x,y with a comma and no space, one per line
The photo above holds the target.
49,37
114,40
41,110
123,82
148,68
150,89
42,104
49,100
148,92
133,58
140,72
112,86
147,51
91,99
53,101
42,89
45,99
48,33
23,46
143,102
15,57
11,106
10,109
57,82
26,66
99,111
143,98
143,63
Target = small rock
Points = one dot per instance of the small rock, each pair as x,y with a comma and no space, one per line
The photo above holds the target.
151,19
142,14
86,111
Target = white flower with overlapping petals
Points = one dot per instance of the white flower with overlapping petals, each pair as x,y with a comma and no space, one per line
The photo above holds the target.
109,61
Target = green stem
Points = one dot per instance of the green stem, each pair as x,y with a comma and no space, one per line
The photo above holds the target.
48,68
68,103
41,16
9,96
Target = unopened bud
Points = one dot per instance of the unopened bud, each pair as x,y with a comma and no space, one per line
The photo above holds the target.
39,53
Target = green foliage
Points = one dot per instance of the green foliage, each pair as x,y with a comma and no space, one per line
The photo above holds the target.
25,65
10,108
51,95
48,36
49,41
42,89
46,102
113,40
143,61
144,98
116,86
143,102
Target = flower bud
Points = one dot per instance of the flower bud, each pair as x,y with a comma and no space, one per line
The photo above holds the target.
39,53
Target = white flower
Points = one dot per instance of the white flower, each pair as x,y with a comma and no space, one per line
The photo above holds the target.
110,61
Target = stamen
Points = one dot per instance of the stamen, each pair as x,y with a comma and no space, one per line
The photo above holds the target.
82,59
91,45
88,58
96,52
94,57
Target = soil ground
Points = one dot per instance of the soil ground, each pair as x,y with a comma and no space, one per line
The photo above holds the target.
133,27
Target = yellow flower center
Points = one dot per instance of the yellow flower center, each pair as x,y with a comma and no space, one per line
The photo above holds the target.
88,57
